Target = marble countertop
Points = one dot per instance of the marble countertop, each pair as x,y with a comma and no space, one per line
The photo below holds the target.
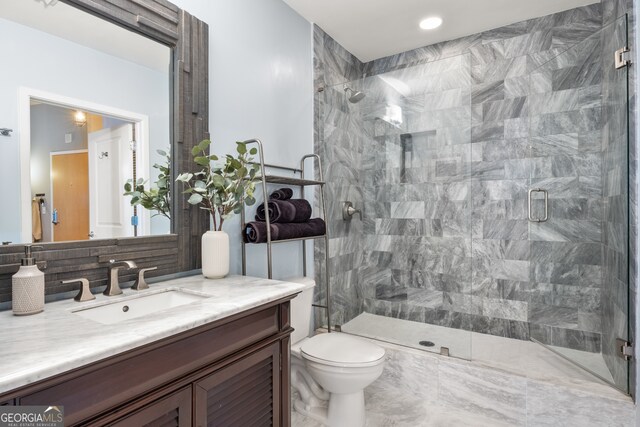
57,340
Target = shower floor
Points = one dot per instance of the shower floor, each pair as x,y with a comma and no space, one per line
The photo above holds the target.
524,358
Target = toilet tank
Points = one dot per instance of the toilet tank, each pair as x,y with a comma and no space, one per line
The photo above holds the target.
301,310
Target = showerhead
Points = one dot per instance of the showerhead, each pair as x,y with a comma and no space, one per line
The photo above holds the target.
355,97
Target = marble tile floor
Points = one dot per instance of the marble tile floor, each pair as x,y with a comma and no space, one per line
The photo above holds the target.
403,416
524,358
421,389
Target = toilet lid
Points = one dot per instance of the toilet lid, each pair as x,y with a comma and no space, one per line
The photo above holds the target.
341,349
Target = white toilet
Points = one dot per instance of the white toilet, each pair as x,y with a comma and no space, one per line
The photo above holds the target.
334,366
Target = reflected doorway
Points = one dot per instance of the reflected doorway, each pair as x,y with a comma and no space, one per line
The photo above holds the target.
77,161
69,196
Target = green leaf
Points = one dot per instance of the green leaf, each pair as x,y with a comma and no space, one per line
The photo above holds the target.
195,199
127,187
242,148
201,160
161,152
204,144
218,180
195,150
253,151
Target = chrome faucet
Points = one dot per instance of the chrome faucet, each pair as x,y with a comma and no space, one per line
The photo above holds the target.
113,284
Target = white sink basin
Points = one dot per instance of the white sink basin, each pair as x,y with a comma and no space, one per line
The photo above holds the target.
138,306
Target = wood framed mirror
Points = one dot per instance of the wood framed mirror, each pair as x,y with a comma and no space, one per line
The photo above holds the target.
187,37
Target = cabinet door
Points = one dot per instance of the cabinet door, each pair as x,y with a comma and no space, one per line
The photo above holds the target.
244,393
171,411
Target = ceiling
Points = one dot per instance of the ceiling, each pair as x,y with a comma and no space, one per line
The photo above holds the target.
72,24
372,29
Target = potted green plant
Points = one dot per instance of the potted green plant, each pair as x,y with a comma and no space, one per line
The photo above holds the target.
220,189
157,197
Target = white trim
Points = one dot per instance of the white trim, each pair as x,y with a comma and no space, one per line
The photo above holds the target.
25,95
51,195
144,166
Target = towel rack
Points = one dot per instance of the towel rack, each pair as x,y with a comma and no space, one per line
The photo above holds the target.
301,182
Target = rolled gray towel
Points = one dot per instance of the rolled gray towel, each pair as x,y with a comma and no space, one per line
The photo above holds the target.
292,210
281,194
256,232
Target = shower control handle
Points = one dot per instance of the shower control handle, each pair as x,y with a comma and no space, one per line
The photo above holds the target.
546,204
348,211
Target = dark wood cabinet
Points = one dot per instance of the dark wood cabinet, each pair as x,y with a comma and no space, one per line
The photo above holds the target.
234,371
171,411
245,393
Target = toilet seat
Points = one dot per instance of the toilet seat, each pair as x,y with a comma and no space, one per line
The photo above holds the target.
341,350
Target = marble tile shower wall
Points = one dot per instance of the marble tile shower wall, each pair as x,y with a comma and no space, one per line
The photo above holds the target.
464,254
338,140
446,236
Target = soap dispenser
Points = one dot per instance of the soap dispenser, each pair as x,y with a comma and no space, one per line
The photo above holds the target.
27,286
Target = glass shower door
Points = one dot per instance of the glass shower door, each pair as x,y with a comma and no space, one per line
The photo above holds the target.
578,205
414,277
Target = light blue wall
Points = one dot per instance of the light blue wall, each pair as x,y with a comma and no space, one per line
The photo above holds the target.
40,61
261,85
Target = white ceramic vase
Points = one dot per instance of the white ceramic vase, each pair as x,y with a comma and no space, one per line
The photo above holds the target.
215,254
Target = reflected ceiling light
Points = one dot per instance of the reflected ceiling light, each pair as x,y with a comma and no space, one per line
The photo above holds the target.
80,118
401,87
431,23
48,3
393,115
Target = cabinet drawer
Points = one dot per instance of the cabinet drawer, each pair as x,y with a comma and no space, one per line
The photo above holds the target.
105,385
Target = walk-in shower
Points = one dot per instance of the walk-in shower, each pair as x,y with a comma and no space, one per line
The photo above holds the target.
493,181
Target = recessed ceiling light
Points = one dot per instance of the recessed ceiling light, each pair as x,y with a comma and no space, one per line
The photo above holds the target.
431,23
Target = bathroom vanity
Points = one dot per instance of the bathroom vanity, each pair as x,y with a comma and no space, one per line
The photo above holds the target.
223,357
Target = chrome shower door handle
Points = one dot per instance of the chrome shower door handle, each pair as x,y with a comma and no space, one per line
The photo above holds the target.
546,204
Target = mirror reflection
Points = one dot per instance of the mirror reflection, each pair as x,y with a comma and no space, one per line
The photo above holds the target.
78,163
87,120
